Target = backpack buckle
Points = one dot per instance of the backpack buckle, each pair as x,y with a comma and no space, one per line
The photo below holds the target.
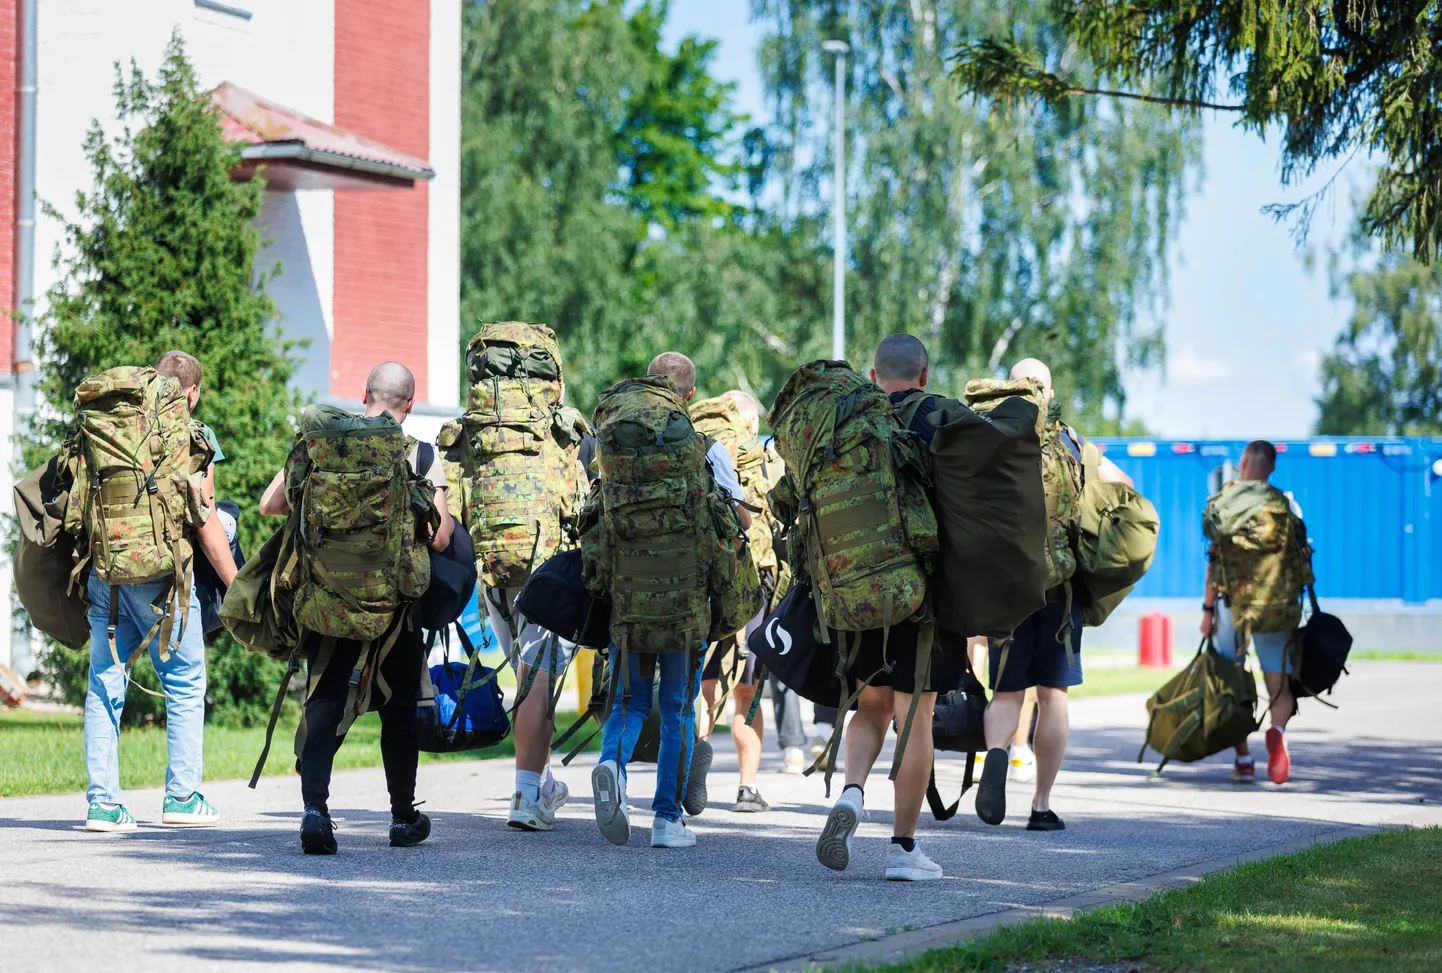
150,485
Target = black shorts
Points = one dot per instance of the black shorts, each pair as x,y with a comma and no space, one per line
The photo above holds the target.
948,659
1037,657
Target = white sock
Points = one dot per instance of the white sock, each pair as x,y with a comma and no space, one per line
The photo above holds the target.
1245,760
528,782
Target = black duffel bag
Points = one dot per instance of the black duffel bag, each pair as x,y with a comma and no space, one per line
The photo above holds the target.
1325,646
209,590
555,598
958,724
785,643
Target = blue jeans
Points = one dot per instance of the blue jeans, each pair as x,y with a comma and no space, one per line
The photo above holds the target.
678,672
182,678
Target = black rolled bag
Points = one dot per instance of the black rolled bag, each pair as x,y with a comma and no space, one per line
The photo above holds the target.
209,590
1325,645
453,582
556,598
786,644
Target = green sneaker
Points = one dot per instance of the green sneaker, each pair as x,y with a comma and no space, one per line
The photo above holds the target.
108,818
195,811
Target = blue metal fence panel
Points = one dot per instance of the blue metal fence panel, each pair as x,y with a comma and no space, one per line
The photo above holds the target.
1373,508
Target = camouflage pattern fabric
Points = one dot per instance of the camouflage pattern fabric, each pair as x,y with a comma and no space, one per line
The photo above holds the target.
863,527
514,479
1060,472
757,468
1260,560
657,533
356,547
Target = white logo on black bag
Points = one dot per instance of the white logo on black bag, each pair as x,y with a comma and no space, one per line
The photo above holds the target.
772,630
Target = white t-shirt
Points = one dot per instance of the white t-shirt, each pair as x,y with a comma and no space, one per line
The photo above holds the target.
725,471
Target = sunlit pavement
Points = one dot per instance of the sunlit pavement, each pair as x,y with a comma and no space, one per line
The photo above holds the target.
481,896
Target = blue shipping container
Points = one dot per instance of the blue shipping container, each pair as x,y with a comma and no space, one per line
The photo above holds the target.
1372,506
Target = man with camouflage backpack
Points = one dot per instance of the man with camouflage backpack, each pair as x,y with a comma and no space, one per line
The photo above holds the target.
663,536
517,485
361,516
733,420
1044,651
862,532
143,494
1258,566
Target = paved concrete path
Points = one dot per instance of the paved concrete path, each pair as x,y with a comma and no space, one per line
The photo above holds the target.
479,896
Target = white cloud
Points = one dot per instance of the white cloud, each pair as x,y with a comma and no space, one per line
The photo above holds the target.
1188,366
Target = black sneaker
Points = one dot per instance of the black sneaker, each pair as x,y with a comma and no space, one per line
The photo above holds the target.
991,792
317,832
750,799
408,834
1045,821
695,800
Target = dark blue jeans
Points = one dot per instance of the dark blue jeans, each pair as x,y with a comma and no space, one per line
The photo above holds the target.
679,673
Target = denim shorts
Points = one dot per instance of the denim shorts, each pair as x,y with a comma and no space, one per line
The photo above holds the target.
1270,647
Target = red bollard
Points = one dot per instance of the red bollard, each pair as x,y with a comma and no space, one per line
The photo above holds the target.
1154,644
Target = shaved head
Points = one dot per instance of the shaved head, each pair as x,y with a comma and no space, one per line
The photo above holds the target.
391,386
182,367
678,368
1032,368
900,358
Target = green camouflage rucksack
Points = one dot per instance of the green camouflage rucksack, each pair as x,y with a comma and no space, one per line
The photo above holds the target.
1060,472
1116,541
1260,558
720,419
355,550
136,489
511,459
864,530
658,535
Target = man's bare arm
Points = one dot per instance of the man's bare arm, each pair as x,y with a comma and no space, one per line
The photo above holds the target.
442,539
273,502
1109,472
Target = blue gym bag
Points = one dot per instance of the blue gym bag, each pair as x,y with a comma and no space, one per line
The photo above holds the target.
464,710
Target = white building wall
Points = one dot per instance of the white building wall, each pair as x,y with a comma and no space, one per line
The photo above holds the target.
285,52
444,201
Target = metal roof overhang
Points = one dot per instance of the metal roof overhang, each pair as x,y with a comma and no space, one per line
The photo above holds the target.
295,165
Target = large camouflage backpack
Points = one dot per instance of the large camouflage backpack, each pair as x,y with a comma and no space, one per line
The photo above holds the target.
1060,472
986,488
356,542
758,470
658,535
511,459
1116,542
864,529
1260,557
136,489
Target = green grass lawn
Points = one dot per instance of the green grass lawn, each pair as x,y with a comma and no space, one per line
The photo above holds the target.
44,753
1099,681
1365,904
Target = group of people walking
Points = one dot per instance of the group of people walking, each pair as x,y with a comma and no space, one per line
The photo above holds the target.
741,520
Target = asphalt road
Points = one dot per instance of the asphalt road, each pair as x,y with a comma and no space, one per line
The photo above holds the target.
479,896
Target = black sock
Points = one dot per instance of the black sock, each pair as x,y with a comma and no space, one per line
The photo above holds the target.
858,790
907,844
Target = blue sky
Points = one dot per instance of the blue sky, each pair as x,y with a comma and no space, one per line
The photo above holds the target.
1246,323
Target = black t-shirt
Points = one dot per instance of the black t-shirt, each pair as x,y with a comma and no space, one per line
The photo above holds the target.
587,452
919,425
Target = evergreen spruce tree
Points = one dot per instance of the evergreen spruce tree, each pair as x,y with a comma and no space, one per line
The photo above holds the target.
161,255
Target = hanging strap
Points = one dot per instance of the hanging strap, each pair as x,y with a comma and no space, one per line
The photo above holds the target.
291,668
940,811
111,625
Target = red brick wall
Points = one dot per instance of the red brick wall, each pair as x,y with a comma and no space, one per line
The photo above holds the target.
9,92
382,90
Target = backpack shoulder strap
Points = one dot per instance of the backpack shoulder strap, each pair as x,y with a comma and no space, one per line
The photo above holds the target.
906,410
1091,455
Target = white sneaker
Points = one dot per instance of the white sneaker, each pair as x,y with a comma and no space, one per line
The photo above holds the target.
554,797
909,866
609,791
1023,764
671,834
528,815
818,746
833,848
793,761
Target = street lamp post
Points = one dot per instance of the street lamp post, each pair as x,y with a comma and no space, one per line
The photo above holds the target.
838,204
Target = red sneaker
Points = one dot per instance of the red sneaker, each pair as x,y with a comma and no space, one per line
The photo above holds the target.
1279,764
